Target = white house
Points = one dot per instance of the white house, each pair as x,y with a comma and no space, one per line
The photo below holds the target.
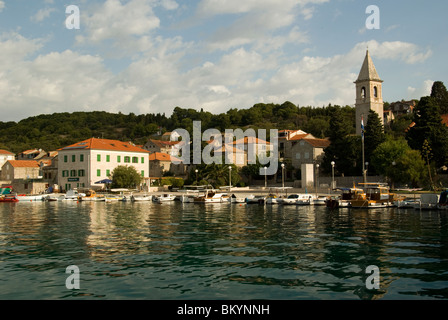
87,162
5,156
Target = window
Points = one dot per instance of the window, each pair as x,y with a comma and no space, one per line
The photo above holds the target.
127,159
143,159
81,173
65,173
81,158
375,92
298,156
65,158
363,93
73,173
98,157
108,173
307,155
98,173
108,158
73,158
118,159
134,159
143,173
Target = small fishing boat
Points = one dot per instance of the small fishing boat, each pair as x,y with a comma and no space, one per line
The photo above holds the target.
8,198
143,197
164,197
210,197
30,198
255,199
272,199
234,199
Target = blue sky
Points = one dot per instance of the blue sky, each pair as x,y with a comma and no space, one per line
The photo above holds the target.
149,56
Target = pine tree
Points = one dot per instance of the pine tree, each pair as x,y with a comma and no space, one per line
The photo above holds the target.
440,95
373,137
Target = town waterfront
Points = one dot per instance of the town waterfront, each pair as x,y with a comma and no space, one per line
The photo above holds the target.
220,251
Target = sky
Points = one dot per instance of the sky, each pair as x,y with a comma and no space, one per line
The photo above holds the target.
150,56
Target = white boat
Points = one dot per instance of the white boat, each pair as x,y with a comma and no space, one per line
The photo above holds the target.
428,201
71,195
143,197
255,199
304,199
272,199
234,199
210,197
164,197
30,198
406,203
319,201
112,198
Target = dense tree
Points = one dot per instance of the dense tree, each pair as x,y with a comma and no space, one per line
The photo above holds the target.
125,177
428,126
373,137
396,160
440,95
345,149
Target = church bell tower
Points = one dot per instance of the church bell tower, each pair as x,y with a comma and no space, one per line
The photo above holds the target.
369,94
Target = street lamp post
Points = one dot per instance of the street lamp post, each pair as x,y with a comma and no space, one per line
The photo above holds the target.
367,170
332,174
283,176
230,178
196,176
317,177
265,178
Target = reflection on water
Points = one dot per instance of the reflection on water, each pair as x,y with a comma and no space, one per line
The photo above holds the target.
220,251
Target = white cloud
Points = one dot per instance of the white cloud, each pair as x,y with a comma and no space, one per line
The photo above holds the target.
42,14
2,5
422,91
116,21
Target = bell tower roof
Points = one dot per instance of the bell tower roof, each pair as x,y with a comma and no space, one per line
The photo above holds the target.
368,71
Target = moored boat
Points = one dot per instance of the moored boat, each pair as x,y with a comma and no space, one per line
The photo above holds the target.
30,197
8,198
142,197
374,195
210,197
164,197
343,200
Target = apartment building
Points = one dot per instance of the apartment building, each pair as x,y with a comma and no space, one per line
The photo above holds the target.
85,163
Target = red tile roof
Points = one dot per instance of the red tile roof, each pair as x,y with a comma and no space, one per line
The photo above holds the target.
104,144
24,163
6,152
159,156
164,144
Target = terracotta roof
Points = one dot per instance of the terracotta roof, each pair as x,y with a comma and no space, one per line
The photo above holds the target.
104,144
31,151
159,156
24,163
228,148
247,140
318,143
6,152
299,137
445,119
162,143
